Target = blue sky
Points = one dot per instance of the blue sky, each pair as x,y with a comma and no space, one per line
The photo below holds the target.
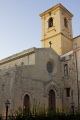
20,24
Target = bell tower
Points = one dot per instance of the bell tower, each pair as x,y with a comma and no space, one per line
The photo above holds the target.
57,29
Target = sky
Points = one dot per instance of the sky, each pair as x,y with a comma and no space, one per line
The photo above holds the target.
20,23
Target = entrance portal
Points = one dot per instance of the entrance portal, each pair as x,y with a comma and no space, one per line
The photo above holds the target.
26,101
52,102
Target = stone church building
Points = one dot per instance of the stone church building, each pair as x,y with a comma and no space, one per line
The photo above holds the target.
47,76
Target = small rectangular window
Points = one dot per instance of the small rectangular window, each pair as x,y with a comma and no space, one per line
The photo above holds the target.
75,45
65,69
65,22
68,92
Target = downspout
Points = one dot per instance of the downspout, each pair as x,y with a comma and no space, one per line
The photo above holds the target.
77,78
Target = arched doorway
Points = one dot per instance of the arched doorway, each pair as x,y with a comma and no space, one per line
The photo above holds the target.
26,101
52,102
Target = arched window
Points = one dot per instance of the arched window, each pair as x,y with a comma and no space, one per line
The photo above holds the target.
65,69
50,22
26,101
65,22
52,102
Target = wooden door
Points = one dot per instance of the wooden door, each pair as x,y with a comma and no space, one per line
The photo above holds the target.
26,101
52,102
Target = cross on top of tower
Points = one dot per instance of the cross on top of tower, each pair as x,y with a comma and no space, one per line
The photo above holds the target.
50,43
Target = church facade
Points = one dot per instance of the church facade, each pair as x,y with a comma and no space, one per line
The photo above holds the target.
47,76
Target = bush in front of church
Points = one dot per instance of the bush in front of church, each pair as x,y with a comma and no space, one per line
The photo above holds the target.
43,114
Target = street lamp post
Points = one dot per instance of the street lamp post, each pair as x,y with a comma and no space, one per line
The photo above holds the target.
7,105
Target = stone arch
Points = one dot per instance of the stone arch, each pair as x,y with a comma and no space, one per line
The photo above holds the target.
53,87
23,96
53,94
26,101
65,22
50,22
52,100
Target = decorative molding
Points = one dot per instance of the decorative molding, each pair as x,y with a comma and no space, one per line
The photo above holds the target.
15,58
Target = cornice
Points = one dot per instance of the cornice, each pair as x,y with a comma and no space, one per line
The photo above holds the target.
76,37
58,6
67,37
17,56
56,35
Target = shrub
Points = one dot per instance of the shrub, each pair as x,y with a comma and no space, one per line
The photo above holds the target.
43,114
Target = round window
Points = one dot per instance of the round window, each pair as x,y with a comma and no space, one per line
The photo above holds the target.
50,67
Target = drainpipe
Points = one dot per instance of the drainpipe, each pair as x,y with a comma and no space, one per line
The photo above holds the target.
77,78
